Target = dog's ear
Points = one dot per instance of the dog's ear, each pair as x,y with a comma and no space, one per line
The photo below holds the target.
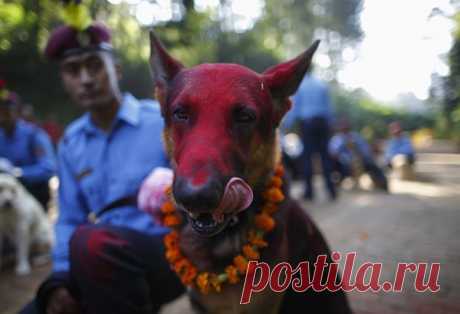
164,67
283,79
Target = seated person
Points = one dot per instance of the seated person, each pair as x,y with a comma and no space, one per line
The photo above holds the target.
25,150
399,144
352,155
399,153
109,255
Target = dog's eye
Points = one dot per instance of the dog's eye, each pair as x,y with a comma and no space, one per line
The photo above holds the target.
244,116
180,114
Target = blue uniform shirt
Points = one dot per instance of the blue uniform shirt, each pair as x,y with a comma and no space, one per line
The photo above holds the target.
311,100
398,145
338,146
97,168
29,148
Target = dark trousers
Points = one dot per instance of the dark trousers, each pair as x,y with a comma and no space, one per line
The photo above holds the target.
375,172
118,270
315,137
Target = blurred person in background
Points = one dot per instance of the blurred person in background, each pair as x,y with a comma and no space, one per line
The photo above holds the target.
109,255
312,108
53,128
352,156
25,149
27,113
399,153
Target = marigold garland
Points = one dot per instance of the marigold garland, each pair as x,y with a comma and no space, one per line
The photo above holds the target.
206,281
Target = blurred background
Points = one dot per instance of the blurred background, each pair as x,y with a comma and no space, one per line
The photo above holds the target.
383,61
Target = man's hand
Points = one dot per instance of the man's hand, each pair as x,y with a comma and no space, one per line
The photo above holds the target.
61,302
152,193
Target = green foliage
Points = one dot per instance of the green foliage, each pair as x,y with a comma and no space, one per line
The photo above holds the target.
372,117
449,124
286,28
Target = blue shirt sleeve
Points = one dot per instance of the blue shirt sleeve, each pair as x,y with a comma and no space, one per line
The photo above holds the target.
328,103
407,147
335,145
45,165
72,212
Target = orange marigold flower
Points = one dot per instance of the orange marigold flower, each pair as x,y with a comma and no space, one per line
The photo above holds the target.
171,220
264,222
279,171
189,276
215,283
171,240
202,281
168,190
232,274
270,208
274,195
256,239
276,182
180,267
250,252
172,255
241,263
167,208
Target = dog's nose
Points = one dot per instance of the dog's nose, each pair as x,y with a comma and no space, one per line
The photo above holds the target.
197,198
8,204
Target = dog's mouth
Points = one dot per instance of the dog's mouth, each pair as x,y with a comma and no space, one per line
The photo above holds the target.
206,225
237,197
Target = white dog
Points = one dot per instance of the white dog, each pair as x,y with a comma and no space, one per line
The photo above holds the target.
22,219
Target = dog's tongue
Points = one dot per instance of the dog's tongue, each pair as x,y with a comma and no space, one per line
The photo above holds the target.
237,197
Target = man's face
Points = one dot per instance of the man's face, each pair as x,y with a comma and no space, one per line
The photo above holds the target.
91,79
7,116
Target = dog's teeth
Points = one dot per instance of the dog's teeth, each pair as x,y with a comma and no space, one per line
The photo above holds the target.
234,220
192,215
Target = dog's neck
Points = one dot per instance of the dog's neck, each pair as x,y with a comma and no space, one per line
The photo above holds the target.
213,254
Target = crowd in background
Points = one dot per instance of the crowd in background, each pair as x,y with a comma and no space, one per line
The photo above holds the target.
343,152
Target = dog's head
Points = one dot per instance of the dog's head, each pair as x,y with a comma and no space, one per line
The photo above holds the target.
221,130
9,189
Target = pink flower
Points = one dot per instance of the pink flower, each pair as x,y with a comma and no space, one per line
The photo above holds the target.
152,193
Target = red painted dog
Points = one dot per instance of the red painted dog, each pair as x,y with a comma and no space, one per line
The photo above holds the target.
221,136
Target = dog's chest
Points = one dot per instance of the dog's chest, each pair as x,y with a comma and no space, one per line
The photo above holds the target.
228,302
8,221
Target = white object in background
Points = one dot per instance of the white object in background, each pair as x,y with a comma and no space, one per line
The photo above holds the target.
292,145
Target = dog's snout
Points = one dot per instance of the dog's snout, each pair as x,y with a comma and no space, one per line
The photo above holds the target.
7,204
197,198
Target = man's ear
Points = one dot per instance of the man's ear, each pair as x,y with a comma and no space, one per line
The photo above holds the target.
283,79
164,67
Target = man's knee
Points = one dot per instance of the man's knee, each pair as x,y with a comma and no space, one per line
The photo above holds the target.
91,247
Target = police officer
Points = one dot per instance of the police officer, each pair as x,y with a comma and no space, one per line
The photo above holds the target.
313,108
349,150
25,150
398,145
109,254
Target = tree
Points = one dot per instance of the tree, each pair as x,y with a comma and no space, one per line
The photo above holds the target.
284,29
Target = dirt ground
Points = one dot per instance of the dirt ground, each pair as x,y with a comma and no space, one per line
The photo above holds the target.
417,222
